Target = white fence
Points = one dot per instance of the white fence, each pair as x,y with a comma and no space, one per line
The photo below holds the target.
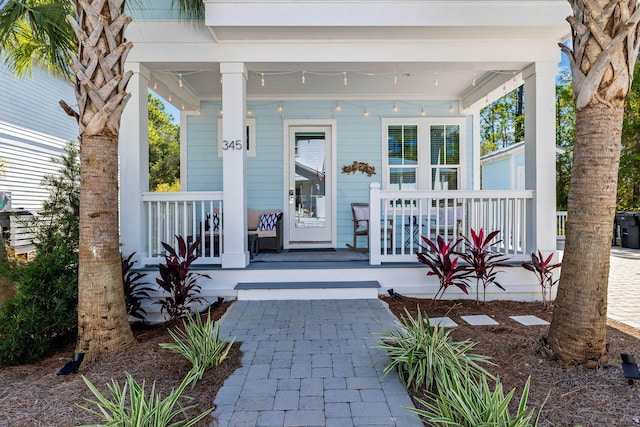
405,216
182,214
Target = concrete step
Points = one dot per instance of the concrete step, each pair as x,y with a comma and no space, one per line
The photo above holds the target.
259,291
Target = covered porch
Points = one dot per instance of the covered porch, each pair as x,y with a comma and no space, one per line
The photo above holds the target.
274,110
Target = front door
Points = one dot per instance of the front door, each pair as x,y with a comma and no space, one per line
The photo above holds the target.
309,182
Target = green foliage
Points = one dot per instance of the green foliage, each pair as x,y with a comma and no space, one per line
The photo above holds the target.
467,401
425,355
629,171
177,279
502,122
37,32
565,133
43,313
130,406
164,147
199,343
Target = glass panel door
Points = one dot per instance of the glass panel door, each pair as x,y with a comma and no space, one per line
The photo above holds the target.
309,172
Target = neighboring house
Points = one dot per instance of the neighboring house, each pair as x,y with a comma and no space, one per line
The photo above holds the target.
503,169
395,85
33,130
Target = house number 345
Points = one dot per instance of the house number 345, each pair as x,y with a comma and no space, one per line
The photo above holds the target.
232,145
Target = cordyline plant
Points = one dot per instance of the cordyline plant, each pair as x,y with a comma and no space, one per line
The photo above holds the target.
134,290
483,261
177,280
439,256
543,269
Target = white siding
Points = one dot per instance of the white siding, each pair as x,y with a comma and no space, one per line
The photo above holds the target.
33,129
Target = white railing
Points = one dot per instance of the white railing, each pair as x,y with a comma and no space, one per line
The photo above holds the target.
561,224
405,216
182,214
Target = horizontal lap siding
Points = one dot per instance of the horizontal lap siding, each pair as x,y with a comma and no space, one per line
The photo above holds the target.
359,138
495,175
33,129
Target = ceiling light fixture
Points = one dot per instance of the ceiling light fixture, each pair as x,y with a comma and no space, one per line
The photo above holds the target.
303,79
180,79
346,82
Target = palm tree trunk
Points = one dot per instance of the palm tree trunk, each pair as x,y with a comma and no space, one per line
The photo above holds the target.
578,328
103,327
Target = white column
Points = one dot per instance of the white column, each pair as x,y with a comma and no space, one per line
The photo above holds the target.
476,141
374,221
540,160
234,78
133,148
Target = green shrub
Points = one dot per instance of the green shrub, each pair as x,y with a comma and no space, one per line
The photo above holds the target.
43,313
199,343
469,402
139,410
425,355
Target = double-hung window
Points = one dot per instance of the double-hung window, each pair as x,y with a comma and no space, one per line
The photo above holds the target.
423,154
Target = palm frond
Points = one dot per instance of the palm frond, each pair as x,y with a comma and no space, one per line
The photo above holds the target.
189,9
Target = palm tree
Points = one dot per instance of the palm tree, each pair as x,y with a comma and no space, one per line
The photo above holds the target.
98,63
605,47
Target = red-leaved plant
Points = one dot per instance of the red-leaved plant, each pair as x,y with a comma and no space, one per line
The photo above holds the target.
543,270
439,256
177,280
134,290
483,262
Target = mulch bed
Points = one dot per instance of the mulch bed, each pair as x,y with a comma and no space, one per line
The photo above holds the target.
32,395
572,395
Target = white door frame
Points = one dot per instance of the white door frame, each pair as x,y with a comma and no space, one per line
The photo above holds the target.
332,188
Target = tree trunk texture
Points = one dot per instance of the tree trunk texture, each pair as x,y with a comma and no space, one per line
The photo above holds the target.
103,327
605,47
578,328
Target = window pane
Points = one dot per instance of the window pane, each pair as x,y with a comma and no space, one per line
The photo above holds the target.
410,145
453,145
444,178
437,145
395,145
402,179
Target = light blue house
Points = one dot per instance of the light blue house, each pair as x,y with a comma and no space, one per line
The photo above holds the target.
278,99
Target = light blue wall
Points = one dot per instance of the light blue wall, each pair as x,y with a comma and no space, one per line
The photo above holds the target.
496,175
151,9
359,138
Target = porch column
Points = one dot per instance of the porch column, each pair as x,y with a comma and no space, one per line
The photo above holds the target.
133,149
476,140
234,79
540,159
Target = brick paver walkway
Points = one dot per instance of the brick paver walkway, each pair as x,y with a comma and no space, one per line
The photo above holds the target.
310,363
624,286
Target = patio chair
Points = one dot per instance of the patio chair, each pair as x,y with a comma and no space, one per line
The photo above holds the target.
361,217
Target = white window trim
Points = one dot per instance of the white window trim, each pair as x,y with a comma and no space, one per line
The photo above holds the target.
251,123
424,155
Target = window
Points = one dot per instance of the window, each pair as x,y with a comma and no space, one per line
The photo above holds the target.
402,152
250,137
445,156
423,154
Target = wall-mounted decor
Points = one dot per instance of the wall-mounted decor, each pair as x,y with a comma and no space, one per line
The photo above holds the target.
359,167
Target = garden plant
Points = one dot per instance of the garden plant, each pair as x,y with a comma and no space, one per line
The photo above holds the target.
199,343
543,269
483,262
425,355
443,263
135,291
177,279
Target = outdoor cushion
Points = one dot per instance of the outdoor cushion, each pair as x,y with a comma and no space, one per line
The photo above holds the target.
213,221
268,221
361,214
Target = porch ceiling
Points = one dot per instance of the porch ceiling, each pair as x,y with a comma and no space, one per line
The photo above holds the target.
365,80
